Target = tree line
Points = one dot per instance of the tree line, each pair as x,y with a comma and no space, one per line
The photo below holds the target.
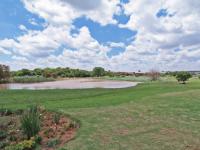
60,72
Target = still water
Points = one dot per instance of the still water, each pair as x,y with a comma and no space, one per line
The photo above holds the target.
70,84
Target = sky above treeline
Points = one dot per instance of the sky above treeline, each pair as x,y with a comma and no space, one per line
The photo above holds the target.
119,35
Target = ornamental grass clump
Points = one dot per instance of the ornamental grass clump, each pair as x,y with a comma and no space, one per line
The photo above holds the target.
30,122
56,118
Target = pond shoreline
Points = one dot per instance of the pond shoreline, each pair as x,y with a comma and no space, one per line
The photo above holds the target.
71,83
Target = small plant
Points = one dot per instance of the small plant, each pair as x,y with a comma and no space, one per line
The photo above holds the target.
48,131
53,142
30,122
19,111
56,118
25,145
5,111
33,109
3,144
73,124
3,134
12,138
38,139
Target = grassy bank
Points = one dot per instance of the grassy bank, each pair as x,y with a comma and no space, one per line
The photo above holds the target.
31,79
139,78
160,115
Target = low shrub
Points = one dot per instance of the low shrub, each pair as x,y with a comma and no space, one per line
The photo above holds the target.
53,142
183,76
30,122
25,145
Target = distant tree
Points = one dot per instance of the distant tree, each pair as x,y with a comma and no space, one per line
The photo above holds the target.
25,72
109,73
154,74
183,76
37,71
47,73
98,71
1,72
4,73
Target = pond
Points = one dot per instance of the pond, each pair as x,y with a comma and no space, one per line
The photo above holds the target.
70,84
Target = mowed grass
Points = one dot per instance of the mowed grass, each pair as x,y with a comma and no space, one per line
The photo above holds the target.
150,116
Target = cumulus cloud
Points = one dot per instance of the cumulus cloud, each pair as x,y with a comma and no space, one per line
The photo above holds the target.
86,5
22,27
164,40
59,12
168,42
33,22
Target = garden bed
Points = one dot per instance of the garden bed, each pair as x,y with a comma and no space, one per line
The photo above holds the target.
53,130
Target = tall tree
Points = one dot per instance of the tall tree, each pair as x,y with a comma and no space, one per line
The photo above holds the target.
98,71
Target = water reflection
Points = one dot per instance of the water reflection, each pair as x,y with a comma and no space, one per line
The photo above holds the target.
71,84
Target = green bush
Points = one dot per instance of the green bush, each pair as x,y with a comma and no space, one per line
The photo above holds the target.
30,122
53,142
25,145
183,76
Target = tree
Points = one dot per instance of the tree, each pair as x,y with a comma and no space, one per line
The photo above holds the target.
37,71
26,72
98,71
1,72
4,72
183,76
154,75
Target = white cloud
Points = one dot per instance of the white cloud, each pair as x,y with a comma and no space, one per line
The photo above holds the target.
33,22
164,41
3,51
59,12
170,42
22,27
114,44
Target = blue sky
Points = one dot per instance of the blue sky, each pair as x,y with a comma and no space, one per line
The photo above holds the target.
12,15
117,35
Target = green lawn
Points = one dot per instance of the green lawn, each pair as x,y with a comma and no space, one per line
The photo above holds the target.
151,116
